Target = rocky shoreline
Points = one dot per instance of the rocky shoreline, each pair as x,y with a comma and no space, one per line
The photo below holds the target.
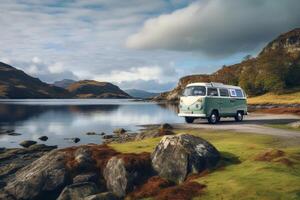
91,172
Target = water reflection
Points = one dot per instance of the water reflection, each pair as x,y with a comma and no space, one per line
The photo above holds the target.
59,119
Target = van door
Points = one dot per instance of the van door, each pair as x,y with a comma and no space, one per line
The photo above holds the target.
212,100
225,104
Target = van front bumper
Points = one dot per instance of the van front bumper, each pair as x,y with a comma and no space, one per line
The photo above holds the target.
191,115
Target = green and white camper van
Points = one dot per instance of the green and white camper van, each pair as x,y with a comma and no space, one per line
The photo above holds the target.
212,101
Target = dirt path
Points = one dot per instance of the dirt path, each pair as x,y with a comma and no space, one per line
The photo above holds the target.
253,123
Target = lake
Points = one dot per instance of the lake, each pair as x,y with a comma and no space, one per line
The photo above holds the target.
68,118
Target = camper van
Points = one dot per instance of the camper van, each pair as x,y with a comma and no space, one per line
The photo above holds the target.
212,101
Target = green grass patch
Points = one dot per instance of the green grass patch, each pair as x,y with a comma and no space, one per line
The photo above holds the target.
242,177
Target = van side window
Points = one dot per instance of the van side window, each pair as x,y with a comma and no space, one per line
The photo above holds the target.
212,92
232,93
224,92
239,93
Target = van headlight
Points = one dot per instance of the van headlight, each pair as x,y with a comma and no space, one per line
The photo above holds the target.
199,106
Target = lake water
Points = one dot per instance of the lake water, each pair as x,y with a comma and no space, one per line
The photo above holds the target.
69,118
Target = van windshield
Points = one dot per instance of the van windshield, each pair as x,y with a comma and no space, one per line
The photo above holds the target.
194,91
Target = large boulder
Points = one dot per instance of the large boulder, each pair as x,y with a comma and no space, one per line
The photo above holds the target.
176,156
78,191
123,172
83,158
45,175
88,177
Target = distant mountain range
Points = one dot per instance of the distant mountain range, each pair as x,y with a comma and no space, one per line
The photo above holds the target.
63,83
276,69
95,89
141,94
16,84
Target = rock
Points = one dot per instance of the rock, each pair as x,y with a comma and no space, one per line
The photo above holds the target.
43,138
10,131
119,131
83,158
294,124
11,160
89,177
166,126
2,149
164,129
2,184
123,172
177,156
14,134
78,191
102,196
76,140
107,137
46,174
90,133
41,148
102,133
5,195
27,143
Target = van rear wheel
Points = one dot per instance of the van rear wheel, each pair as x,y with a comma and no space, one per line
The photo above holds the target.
239,116
189,120
213,118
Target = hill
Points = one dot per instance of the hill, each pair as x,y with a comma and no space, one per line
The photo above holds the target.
63,83
95,89
142,94
276,69
16,84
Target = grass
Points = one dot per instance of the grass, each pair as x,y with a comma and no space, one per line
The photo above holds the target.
270,98
249,179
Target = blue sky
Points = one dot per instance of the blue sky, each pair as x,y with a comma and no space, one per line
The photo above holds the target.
137,43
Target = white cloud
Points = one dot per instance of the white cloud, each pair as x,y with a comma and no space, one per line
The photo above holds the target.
56,68
146,73
218,27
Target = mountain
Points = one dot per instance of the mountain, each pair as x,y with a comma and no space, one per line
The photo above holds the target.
16,84
63,83
142,94
95,89
275,69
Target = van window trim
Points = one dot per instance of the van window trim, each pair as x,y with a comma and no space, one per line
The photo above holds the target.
227,91
214,88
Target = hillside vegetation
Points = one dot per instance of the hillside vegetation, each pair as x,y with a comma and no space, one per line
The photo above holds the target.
95,89
17,84
275,69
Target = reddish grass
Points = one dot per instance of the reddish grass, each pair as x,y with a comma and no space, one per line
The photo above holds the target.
134,161
288,110
285,161
151,188
269,155
185,191
195,176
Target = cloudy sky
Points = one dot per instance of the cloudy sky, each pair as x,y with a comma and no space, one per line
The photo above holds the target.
143,44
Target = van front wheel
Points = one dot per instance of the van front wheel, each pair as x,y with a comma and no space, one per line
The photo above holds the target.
189,120
239,117
213,118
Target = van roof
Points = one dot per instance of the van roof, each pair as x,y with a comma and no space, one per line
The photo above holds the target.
213,84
